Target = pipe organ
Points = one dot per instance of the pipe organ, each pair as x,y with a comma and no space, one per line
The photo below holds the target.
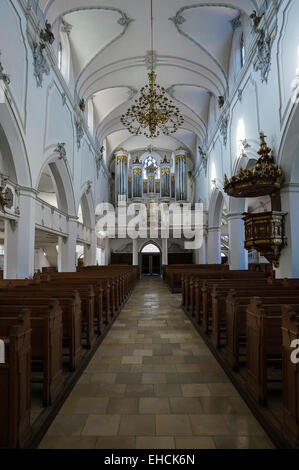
163,181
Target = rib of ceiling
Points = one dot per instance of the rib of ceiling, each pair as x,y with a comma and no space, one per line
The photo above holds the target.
110,47
183,137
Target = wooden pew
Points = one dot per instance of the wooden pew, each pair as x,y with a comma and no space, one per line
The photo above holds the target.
76,282
236,318
87,296
173,275
219,292
46,346
107,288
15,387
71,316
207,288
290,332
264,346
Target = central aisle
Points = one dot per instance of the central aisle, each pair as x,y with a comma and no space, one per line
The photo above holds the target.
154,384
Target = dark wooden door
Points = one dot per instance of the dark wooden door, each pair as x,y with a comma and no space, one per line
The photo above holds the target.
151,264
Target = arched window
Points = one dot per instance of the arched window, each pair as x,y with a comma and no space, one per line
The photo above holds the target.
60,56
242,51
149,162
150,248
64,51
90,115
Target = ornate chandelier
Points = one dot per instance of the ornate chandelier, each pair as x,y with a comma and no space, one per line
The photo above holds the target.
153,113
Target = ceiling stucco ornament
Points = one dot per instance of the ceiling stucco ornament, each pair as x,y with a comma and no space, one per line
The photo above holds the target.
66,27
178,19
3,76
263,56
79,132
89,184
41,65
124,20
60,149
224,129
46,35
204,161
236,23
99,158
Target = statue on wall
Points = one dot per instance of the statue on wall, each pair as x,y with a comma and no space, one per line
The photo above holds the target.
41,65
47,35
256,19
220,101
82,105
6,195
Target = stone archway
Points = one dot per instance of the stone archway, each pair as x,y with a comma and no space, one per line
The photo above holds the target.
150,259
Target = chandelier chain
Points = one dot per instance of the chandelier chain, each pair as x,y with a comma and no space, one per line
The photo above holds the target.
153,112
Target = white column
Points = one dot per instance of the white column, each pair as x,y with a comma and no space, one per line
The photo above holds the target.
236,234
135,253
289,259
90,251
67,249
20,239
164,251
201,255
107,252
214,245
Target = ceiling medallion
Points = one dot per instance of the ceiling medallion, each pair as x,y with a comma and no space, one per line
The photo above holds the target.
153,113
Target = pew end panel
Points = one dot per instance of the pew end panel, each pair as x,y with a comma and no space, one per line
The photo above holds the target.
290,332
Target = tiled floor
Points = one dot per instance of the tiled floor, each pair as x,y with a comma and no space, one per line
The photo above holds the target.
154,384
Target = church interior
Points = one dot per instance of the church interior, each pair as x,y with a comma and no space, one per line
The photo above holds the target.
149,255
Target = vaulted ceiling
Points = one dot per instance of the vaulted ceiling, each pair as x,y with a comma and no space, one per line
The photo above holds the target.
110,41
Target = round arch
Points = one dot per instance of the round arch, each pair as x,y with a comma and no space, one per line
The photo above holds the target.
88,209
217,202
150,242
63,183
150,248
17,149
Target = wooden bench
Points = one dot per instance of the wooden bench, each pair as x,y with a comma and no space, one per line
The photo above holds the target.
71,315
77,282
173,275
87,296
236,318
290,332
231,277
264,345
15,388
46,345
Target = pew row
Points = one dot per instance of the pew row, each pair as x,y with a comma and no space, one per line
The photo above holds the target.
15,376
